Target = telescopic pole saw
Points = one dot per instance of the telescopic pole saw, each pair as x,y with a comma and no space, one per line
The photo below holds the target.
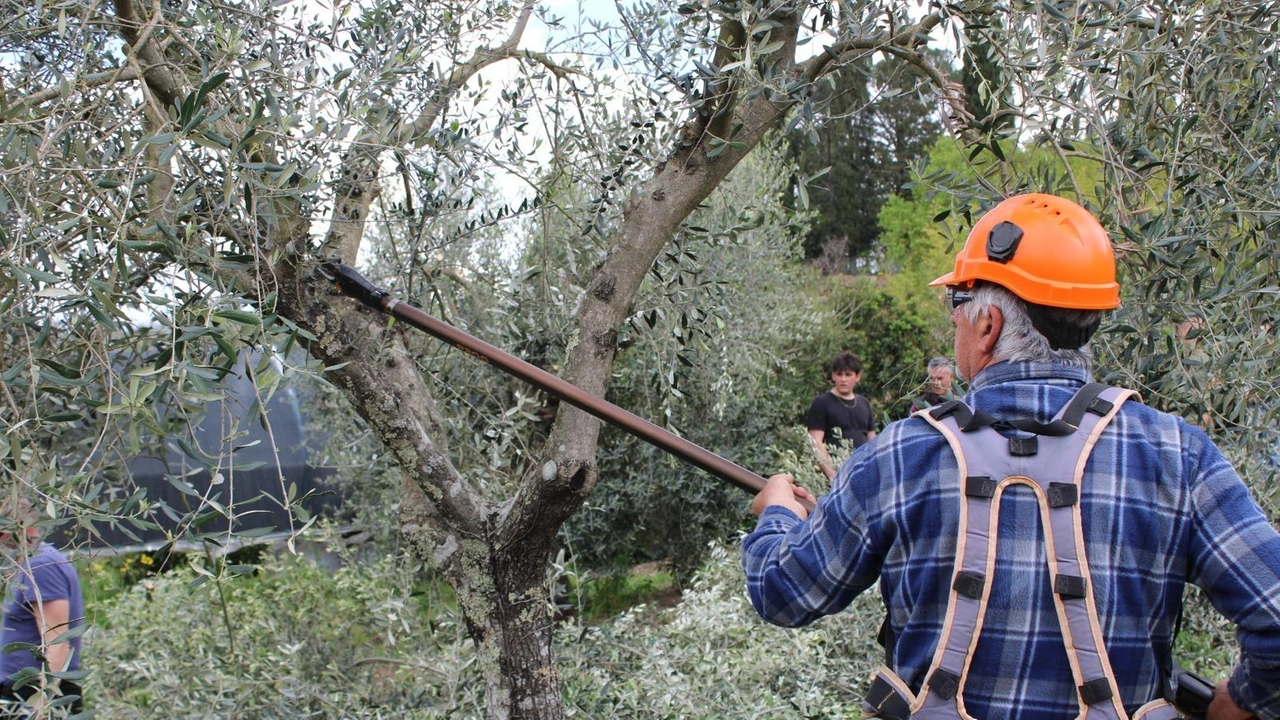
354,285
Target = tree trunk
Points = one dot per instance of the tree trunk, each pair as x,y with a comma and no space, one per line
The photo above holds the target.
511,623
504,598
502,592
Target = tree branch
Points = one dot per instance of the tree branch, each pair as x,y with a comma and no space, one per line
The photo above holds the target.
479,60
121,74
358,183
155,68
958,118
911,37
904,44
370,362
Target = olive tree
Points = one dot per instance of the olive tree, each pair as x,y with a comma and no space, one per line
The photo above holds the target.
178,175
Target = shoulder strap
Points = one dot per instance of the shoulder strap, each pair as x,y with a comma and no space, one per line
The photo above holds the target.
1067,421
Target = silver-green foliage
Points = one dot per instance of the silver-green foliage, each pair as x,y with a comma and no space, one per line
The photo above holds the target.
704,353
1175,129
305,642
712,657
357,642
129,217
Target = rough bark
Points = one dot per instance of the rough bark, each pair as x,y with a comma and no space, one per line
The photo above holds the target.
499,578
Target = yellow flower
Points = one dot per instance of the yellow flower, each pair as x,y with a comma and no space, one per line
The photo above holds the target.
146,560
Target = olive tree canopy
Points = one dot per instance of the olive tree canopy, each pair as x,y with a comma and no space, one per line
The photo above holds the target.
175,174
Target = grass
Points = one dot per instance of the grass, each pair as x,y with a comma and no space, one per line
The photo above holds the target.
104,578
608,595
595,598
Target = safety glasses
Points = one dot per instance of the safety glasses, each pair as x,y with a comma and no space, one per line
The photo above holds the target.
958,296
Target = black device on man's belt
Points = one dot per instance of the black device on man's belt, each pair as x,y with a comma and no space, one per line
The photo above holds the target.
1191,693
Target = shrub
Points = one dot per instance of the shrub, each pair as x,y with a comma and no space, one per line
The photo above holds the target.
712,657
363,642
294,640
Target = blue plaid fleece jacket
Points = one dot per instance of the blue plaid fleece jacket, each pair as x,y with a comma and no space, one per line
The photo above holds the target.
1161,507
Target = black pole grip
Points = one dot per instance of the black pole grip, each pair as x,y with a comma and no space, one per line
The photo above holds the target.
354,285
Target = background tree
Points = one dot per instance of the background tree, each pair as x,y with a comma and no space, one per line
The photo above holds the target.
712,338
878,119
986,93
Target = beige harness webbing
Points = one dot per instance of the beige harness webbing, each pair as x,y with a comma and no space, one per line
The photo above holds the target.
1051,466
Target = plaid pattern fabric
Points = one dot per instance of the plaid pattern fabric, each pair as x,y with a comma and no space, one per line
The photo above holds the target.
1160,507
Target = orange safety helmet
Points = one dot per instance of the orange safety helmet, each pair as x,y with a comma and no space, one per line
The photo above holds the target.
1045,249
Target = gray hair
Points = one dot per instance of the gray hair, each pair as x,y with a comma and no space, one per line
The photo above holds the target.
939,362
1019,340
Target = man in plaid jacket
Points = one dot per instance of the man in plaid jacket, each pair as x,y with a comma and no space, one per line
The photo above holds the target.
1158,506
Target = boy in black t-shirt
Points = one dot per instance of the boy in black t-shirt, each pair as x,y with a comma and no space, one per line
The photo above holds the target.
840,417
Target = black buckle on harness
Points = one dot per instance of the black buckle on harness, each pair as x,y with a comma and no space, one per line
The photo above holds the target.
1062,494
1023,447
885,699
969,584
1086,400
1095,691
1100,407
944,683
979,486
941,412
1071,586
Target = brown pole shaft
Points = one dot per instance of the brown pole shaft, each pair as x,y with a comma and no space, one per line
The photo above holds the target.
353,284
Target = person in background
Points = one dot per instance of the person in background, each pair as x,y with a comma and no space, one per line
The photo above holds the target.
42,601
1032,544
938,390
840,417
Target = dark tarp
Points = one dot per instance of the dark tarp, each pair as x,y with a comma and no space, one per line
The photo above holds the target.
258,459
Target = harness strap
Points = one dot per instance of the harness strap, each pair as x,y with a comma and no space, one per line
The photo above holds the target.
1085,400
989,463
995,463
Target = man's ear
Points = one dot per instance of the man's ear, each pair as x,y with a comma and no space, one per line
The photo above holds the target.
990,324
